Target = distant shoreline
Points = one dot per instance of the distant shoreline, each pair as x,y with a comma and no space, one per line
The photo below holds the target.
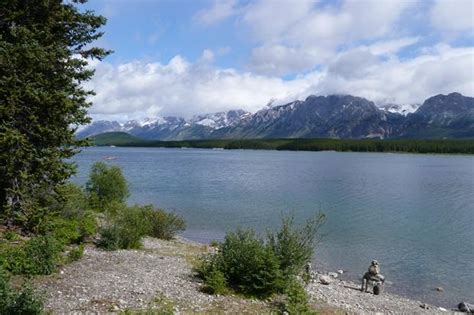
451,146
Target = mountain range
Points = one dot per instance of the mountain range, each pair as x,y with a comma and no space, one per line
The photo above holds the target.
333,116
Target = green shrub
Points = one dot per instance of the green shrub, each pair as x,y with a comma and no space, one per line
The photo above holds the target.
295,247
205,264
75,253
23,302
162,224
42,254
252,266
37,256
249,265
69,221
297,299
215,282
109,237
5,291
125,230
65,231
74,201
10,235
106,184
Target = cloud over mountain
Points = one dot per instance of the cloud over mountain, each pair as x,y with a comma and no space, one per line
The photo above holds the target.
388,51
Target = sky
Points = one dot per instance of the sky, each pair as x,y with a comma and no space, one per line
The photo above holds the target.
188,57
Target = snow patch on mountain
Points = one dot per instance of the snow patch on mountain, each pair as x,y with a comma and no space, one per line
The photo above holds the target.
403,109
221,119
170,123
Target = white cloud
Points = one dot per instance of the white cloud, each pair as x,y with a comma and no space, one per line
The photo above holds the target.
280,59
453,15
294,36
391,46
269,20
443,70
220,10
139,89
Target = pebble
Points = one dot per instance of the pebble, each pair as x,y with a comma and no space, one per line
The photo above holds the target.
347,295
104,281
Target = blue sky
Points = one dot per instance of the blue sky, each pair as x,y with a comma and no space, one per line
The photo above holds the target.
160,30
190,57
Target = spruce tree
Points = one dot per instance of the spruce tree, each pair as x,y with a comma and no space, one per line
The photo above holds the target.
45,46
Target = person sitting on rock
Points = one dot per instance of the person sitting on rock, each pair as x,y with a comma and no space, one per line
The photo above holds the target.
373,274
374,268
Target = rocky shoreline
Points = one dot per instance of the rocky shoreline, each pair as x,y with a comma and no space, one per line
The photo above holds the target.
348,296
160,277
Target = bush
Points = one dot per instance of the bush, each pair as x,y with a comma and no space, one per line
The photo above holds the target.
109,237
294,247
106,184
216,282
74,202
5,291
64,231
260,268
23,302
125,230
37,256
249,265
76,208
10,235
70,220
297,299
75,253
163,225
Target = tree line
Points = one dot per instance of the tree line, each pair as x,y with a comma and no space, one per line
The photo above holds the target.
345,145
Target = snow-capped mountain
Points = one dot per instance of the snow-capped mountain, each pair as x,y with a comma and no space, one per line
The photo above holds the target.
170,127
221,119
404,109
333,116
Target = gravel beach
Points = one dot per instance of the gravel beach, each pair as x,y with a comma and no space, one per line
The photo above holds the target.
160,276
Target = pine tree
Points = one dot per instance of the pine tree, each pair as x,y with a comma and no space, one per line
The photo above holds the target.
45,46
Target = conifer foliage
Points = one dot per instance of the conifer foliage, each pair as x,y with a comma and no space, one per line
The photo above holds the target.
45,46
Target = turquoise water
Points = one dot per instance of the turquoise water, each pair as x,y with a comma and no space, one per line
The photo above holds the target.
413,213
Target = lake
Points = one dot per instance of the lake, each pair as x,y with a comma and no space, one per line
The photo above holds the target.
413,213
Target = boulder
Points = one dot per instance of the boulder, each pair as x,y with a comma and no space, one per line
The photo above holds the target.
323,279
333,274
466,307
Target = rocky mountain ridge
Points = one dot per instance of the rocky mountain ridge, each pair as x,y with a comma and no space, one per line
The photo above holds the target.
333,116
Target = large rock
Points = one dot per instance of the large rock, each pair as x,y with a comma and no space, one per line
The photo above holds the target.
466,307
323,279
